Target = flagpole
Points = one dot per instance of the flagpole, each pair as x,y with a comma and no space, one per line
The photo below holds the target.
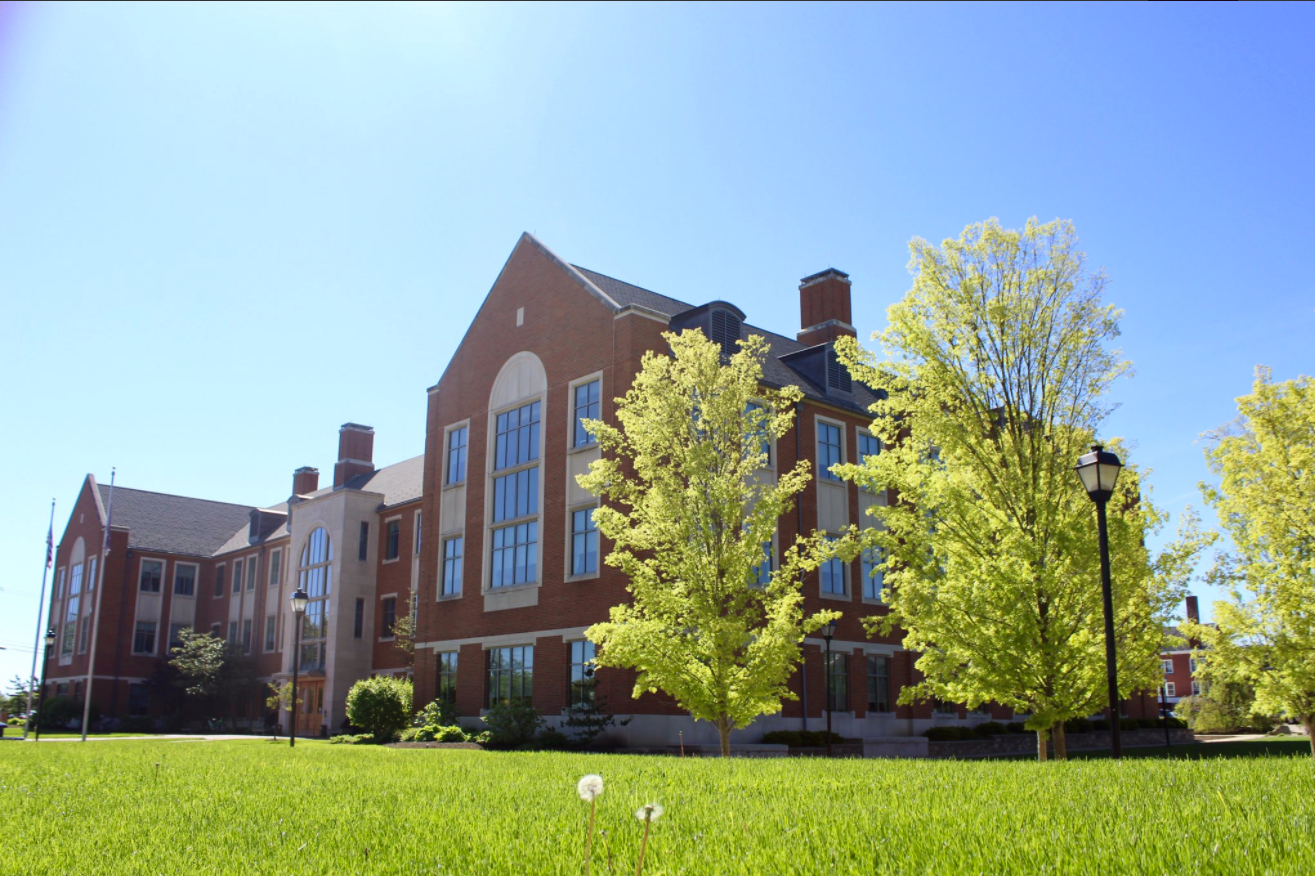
95,617
41,610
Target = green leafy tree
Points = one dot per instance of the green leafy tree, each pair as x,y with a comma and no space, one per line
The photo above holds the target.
212,670
1265,499
998,362
380,706
15,701
689,509
280,699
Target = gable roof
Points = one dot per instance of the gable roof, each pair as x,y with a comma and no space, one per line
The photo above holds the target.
400,482
177,524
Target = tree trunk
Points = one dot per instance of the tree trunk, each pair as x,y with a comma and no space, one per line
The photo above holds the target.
724,733
1042,755
1309,724
1061,744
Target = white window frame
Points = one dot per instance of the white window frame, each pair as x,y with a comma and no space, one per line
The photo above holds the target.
848,594
253,572
1167,665
863,579
59,583
827,478
1170,689
387,520
382,598
223,585
196,579
1196,688
442,565
447,432
417,534
275,570
571,446
270,648
858,455
155,640
568,573
164,575
491,474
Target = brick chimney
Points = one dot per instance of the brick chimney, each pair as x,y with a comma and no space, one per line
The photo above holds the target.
305,481
1193,611
355,453
824,309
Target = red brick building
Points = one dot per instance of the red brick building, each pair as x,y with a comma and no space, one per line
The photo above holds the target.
487,534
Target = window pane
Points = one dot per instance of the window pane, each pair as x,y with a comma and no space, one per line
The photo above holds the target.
828,450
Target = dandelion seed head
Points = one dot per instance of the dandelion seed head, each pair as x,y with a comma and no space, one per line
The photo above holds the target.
649,812
590,787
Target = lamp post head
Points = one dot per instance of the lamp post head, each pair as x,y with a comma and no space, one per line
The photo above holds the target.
829,629
1098,471
50,638
299,600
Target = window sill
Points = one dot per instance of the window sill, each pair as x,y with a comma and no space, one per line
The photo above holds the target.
581,448
388,638
453,486
587,576
839,597
386,562
512,588
448,597
868,600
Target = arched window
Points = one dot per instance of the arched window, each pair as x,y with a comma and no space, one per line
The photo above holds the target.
315,576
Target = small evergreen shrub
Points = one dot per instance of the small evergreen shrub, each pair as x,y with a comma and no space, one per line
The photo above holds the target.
990,728
1016,727
801,738
439,713
358,739
512,725
380,706
1077,725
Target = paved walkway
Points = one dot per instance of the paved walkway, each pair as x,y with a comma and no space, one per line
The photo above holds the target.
167,737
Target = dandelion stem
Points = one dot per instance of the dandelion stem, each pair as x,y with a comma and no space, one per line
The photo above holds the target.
589,842
642,846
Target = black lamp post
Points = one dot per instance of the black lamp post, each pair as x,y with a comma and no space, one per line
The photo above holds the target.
1164,713
45,659
299,600
828,631
1098,470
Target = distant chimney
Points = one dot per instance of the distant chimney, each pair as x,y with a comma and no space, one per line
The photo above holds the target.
305,481
355,453
1193,611
824,308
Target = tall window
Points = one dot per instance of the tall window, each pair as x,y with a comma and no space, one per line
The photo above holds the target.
515,552
761,575
246,636
184,579
251,573
447,676
868,445
419,529
828,450
275,569
232,634
517,436
316,578
237,576
59,585
176,635
363,548
1196,688
152,572
1191,661
1167,666
91,574
833,574
388,617
392,539
143,640
456,455
587,407
838,687
358,624
83,634
873,578
70,625
878,683
75,581
757,429
271,628
582,673
511,675
139,700
584,542
452,551
219,581
1170,690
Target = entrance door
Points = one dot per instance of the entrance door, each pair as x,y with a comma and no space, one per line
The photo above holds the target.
310,714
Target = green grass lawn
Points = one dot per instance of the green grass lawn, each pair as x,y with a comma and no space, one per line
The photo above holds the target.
256,807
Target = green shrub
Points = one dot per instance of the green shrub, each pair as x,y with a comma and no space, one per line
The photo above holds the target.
59,713
1077,725
801,738
990,728
439,713
551,740
1016,727
136,724
511,725
951,734
412,734
380,706
1100,724
358,739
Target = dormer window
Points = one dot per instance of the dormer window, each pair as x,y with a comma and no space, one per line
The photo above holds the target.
837,375
725,331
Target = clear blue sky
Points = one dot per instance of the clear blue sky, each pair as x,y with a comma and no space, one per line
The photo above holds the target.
225,230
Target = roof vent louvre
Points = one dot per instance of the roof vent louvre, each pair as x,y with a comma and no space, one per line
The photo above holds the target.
837,375
725,331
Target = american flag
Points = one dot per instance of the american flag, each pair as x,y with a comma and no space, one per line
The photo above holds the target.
50,546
